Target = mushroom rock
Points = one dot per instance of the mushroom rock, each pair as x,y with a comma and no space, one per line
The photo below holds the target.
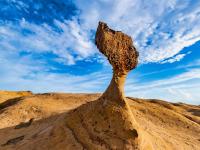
122,55
108,123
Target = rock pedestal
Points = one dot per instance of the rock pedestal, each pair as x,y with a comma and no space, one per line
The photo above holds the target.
122,55
108,123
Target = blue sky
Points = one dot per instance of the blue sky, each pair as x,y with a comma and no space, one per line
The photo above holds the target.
48,46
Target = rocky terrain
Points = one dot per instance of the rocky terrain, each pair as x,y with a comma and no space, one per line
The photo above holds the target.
38,122
58,121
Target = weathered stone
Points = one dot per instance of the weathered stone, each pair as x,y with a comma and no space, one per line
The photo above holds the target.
122,55
117,47
108,122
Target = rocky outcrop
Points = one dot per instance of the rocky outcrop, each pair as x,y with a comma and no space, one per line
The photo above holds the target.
166,126
108,123
122,55
5,95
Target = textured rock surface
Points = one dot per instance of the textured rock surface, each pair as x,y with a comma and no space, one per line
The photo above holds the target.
167,126
108,123
4,95
117,47
122,55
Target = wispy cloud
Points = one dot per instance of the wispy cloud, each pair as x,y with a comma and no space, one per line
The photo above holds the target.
29,74
159,34
175,58
70,43
181,87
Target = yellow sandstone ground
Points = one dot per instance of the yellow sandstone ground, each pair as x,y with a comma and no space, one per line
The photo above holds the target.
39,122
4,95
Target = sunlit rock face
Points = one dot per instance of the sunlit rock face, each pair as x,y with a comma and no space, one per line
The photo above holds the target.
117,47
108,122
122,55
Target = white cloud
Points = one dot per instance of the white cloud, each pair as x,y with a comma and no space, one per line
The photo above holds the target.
26,73
69,44
182,87
189,75
169,26
160,29
175,58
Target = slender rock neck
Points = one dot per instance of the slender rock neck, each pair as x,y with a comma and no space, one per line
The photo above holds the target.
115,91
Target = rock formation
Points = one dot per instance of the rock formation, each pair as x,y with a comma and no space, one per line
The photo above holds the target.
161,125
122,55
108,123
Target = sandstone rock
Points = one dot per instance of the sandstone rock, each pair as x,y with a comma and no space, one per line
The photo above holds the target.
122,55
108,123
117,47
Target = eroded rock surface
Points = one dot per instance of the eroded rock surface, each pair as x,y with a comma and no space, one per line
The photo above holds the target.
166,126
122,55
117,47
108,123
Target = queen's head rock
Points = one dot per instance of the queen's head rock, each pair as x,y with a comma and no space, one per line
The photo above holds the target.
108,123
117,47
122,55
